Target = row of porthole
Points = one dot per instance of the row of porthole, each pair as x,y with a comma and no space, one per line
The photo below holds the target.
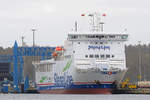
99,56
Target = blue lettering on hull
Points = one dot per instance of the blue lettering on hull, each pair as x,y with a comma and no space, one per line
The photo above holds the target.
64,81
99,47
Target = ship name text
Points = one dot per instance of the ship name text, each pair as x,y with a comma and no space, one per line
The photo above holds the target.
99,47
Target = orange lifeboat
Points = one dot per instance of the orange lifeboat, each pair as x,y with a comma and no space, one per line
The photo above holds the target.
54,54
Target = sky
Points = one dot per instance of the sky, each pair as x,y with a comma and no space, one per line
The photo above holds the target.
54,19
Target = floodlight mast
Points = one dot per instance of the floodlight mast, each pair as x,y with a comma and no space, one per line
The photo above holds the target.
33,31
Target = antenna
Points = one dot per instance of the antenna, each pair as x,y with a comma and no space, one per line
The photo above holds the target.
102,26
76,26
96,23
125,30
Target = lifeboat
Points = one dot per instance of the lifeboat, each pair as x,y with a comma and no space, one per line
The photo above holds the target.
55,54
109,73
58,48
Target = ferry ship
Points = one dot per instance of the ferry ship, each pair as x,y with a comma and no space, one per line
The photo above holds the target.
88,63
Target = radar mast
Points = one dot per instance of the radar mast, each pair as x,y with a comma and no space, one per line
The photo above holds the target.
96,23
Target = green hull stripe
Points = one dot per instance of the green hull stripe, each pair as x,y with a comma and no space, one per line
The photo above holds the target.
43,78
67,65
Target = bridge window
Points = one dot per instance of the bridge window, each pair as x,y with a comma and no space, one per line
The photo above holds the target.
74,36
86,56
96,56
93,36
124,37
91,56
101,42
102,56
111,36
112,56
107,56
106,37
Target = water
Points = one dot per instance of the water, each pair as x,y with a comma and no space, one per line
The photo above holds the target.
71,97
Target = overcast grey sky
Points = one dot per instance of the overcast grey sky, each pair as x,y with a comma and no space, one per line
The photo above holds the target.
53,19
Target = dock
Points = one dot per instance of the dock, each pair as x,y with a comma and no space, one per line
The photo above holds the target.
131,91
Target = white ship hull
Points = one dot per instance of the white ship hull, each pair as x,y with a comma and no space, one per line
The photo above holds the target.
71,80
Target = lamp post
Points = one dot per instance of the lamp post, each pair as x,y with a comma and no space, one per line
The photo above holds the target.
33,30
22,40
140,61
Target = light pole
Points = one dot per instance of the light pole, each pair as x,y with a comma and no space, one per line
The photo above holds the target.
140,61
22,40
33,30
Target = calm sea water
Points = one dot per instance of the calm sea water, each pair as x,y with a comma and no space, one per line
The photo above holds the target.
71,97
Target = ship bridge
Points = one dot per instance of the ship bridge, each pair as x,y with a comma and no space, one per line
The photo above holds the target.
98,37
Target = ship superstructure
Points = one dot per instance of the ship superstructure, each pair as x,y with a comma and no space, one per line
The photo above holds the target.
87,63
